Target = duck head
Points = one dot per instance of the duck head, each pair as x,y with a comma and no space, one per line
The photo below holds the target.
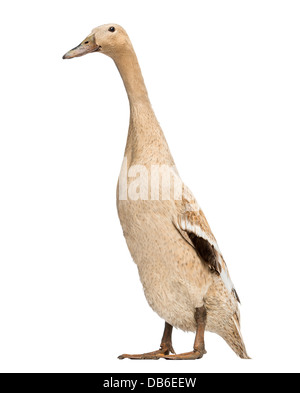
108,39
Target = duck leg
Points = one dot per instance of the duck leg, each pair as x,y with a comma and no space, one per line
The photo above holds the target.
165,347
199,347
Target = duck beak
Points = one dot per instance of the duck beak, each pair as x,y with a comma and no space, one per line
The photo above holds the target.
87,46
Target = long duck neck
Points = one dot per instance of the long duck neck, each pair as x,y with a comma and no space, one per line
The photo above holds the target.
130,71
144,129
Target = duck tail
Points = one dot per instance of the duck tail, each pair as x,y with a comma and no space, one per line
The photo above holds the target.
232,335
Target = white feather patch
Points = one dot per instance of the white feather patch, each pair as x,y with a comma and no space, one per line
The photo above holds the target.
226,280
185,225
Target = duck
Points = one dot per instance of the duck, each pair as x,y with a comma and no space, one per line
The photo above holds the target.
182,270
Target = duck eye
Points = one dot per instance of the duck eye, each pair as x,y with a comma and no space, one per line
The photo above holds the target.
112,29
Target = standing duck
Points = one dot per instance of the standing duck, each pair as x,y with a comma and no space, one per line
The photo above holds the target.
183,273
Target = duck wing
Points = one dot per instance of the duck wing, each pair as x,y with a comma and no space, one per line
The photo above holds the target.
194,228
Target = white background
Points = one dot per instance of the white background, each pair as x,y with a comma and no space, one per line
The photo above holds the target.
224,80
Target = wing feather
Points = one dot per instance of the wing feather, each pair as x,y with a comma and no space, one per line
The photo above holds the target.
193,223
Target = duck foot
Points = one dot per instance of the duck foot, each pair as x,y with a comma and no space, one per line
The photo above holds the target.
186,356
155,355
166,343
165,347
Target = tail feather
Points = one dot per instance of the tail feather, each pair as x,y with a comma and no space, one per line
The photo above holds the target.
234,338
223,317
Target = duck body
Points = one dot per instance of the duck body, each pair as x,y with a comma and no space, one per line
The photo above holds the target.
174,281
174,276
183,273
